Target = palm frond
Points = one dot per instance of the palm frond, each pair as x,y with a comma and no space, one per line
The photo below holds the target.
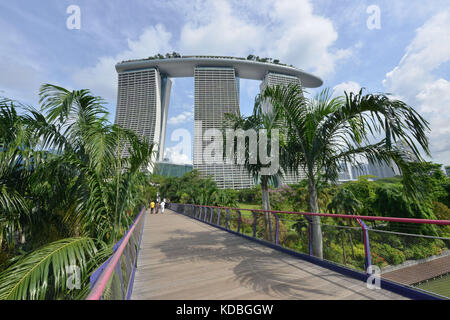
30,277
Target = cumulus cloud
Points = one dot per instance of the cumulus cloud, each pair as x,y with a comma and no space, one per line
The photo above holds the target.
349,86
102,78
414,80
181,118
285,30
177,156
20,76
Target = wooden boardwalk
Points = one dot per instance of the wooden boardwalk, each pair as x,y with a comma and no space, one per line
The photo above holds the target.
420,272
184,259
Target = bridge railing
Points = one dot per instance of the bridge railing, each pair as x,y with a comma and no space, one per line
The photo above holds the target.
114,279
403,250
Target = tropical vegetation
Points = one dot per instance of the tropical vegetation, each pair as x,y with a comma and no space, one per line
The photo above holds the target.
324,131
71,184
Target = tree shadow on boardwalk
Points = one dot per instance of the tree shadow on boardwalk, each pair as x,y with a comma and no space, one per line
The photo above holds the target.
257,267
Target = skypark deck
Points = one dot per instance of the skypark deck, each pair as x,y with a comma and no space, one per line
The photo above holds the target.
246,69
183,258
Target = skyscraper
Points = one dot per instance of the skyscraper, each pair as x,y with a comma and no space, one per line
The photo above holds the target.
216,93
144,92
142,104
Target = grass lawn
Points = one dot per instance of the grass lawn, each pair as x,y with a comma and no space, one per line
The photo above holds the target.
440,286
249,206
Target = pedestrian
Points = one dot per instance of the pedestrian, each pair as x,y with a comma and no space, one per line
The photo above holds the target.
163,204
152,207
156,207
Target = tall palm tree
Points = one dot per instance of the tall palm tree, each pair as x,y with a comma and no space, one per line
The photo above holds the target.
92,150
83,169
258,121
324,131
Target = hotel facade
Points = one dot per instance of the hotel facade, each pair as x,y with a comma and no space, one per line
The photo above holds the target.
144,93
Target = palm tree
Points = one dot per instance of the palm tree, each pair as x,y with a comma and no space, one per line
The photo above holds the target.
93,150
83,173
324,131
258,121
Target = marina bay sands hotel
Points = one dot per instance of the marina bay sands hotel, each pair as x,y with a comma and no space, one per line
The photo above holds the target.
144,92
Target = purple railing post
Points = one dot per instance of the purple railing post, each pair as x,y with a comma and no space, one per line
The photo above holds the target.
212,213
218,216
277,232
367,255
239,221
254,223
228,218
205,212
310,251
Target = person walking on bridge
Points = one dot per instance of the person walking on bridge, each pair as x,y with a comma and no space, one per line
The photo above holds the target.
163,204
152,207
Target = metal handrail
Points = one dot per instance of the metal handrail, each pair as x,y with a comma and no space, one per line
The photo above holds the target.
101,283
370,218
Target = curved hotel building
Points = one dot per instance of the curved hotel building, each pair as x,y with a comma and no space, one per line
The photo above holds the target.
144,93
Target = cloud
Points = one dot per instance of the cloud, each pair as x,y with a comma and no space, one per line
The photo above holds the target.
20,79
181,118
177,156
415,81
286,30
102,78
349,86
20,76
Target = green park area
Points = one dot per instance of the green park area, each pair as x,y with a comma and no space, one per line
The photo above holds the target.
440,285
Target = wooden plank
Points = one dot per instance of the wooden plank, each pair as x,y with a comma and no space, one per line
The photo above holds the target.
185,259
420,272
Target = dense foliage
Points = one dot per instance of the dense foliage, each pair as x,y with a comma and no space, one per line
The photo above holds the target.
68,193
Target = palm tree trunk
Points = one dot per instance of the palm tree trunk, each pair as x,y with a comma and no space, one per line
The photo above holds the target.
266,206
315,220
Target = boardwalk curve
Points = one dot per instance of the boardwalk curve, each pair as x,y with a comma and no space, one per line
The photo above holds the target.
185,259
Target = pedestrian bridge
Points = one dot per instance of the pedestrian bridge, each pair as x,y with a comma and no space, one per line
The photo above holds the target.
189,255
182,258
